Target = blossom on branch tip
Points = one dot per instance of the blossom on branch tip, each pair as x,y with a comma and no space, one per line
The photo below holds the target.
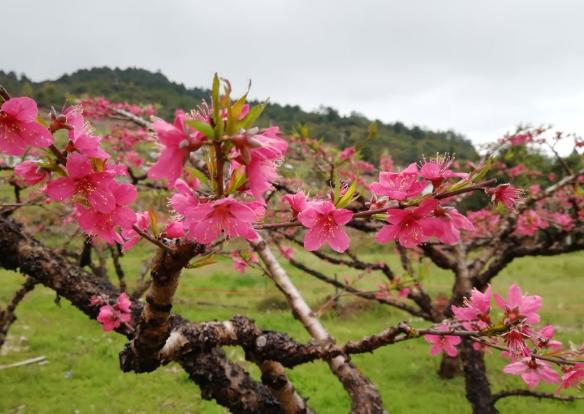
573,376
438,169
178,141
19,128
519,306
532,371
505,194
325,225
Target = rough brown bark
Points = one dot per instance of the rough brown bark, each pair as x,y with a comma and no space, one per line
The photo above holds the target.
217,377
141,354
478,389
450,367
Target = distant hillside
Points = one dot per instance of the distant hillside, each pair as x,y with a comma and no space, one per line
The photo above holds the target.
405,144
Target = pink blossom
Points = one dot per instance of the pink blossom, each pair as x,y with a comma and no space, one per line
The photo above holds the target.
130,235
85,183
573,376
475,309
174,229
532,371
399,186
404,292
519,139
386,162
133,158
563,221
184,197
347,153
325,222
534,189
123,304
519,169
112,317
505,194
447,223
178,141
410,226
528,223
519,306
80,134
297,202
438,169
287,252
30,172
443,343
515,340
258,151
544,339
206,221
260,173
240,262
105,225
484,221
19,129
265,144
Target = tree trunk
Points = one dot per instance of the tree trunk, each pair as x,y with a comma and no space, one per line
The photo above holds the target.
478,389
449,367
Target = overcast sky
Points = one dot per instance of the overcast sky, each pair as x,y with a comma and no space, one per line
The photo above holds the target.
477,66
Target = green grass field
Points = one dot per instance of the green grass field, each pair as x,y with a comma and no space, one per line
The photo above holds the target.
82,374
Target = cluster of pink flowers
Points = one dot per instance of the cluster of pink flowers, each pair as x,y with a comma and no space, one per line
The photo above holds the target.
520,314
415,225
101,203
87,179
113,316
100,107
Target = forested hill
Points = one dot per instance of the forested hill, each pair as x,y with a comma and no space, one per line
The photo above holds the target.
405,144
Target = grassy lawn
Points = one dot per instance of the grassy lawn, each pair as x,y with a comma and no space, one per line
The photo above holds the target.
82,373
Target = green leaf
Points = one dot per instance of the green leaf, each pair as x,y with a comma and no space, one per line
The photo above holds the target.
482,171
348,196
153,222
203,127
199,174
206,260
215,97
252,116
337,190
233,114
238,178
